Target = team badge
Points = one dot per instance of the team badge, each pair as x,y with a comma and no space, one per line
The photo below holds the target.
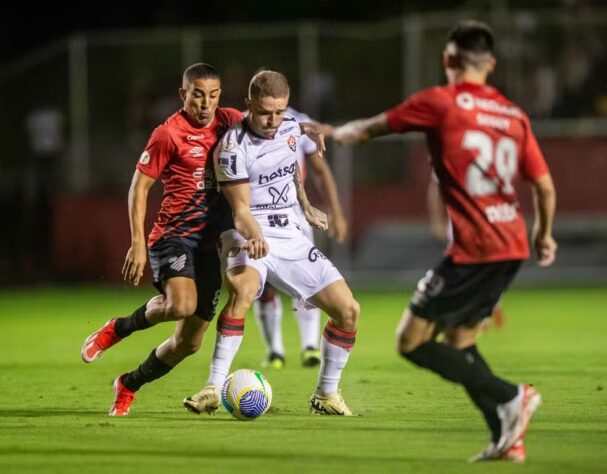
292,142
227,146
144,159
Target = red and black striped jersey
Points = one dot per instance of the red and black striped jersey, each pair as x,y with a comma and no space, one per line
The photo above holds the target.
180,153
479,142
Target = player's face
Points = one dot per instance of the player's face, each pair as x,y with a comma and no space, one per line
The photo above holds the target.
266,114
200,99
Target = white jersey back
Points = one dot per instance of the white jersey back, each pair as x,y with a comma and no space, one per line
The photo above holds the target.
268,165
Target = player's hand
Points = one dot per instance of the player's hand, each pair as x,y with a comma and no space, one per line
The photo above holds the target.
545,249
256,247
314,133
134,263
316,218
338,227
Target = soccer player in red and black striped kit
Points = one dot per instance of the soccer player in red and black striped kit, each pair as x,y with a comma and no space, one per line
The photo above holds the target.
479,142
182,244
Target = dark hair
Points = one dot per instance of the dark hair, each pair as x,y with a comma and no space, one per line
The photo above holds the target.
268,83
200,71
471,36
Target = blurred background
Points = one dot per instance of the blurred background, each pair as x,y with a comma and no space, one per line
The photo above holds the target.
82,89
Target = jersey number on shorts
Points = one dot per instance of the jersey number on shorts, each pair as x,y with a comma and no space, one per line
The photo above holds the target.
480,179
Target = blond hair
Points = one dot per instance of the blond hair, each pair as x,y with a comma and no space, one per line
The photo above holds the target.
268,83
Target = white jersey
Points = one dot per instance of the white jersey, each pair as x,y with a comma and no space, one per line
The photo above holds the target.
268,165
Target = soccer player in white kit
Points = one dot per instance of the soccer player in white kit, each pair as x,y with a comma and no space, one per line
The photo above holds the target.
268,307
256,167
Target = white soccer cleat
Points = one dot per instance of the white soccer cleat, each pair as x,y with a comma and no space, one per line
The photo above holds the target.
515,416
329,404
516,453
490,453
207,400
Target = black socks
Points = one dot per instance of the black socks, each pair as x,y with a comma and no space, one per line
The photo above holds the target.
467,368
151,369
135,322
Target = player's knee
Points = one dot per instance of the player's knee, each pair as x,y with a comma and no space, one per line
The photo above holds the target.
349,315
245,293
406,343
181,309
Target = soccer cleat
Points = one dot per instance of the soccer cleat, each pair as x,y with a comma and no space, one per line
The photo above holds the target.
329,404
274,361
310,357
206,400
490,453
515,415
123,397
516,453
100,341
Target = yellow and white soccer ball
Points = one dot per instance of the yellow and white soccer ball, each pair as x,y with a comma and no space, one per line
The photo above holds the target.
246,394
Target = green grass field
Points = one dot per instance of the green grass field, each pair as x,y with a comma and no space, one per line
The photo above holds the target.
53,407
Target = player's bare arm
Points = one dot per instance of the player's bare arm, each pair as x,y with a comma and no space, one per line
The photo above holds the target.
314,133
136,257
362,130
325,184
544,202
239,198
315,217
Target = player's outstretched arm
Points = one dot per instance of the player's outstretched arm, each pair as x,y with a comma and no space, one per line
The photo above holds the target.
315,217
325,184
544,203
239,198
362,130
134,263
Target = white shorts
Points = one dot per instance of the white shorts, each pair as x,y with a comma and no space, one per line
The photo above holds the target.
293,266
303,224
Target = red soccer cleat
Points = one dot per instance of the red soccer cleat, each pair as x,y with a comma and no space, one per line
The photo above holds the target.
100,341
516,453
123,397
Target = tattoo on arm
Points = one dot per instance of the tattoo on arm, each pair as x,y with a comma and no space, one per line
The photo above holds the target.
299,187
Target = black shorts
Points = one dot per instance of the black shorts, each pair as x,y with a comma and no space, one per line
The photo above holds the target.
453,295
175,258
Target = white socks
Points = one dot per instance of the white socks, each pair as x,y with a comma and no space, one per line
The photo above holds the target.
335,347
229,336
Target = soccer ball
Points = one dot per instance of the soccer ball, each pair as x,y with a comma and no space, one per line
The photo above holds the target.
246,394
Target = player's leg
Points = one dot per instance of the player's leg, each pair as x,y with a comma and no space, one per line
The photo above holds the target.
455,296
243,285
507,421
182,303
268,314
308,322
337,342
179,292
161,360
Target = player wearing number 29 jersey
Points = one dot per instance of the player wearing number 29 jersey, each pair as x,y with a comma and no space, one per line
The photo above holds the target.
479,143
